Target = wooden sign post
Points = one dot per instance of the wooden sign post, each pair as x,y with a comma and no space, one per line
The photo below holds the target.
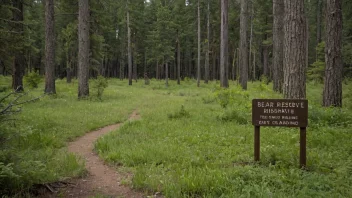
280,112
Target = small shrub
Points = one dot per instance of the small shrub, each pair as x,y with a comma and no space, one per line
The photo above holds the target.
179,114
237,115
226,97
99,85
208,99
265,79
319,116
33,79
187,79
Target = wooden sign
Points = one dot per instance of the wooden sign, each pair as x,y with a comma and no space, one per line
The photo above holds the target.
280,112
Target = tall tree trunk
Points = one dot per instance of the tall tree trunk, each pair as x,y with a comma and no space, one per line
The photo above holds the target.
206,73
198,60
332,95
244,44
278,44
238,63
295,50
319,14
214,65
224,46
49,48
83,48
254,68
18,67
167,74
122,69
178,59
129,47
250,44
266,71
145,63
234,66
157,70
135,54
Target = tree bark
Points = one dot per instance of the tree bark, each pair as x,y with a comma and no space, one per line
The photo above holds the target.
295,50
319,13
206,73
278,45
250,44
244,44
18,67
49,48
83,51
198,60
266,71
224,48
332,95
135,54
157,70
129,50
178,59
167,74
214,65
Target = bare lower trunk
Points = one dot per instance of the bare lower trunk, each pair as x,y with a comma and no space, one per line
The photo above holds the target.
129,47
178,61
18,67
83,49
135,61
278,44
68,75
332,95
167,74
295,50
244,44
157,70
214,66
198,60
266,62
122,69
206,73
49,48
224,54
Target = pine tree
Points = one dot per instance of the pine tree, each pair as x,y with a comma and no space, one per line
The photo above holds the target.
332,95
84,46
295,50
49,48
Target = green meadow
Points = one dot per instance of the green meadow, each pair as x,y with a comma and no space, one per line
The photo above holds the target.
189,142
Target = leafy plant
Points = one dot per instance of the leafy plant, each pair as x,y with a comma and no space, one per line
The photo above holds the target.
238,115
33,79
179,114
99,86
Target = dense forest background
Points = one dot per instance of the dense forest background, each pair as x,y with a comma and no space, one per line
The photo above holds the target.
195,135
158,28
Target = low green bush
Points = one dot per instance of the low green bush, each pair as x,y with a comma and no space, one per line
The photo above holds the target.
179,114
33,79
99,86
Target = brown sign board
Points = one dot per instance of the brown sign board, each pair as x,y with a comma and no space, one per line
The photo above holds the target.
280,112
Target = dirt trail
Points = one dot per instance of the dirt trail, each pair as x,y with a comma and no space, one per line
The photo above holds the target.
101,179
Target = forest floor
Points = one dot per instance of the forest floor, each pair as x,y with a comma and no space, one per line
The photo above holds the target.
101,178
189,142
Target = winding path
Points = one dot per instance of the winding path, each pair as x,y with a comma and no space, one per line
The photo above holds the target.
101,179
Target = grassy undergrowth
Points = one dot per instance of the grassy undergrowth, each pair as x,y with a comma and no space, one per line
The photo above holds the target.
190,142
33,147
209,152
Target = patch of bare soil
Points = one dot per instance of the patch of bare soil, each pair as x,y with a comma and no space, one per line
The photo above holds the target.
101,179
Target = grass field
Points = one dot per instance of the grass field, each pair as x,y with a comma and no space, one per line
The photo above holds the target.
190,142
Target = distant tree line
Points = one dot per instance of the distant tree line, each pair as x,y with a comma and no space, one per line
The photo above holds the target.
245,40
